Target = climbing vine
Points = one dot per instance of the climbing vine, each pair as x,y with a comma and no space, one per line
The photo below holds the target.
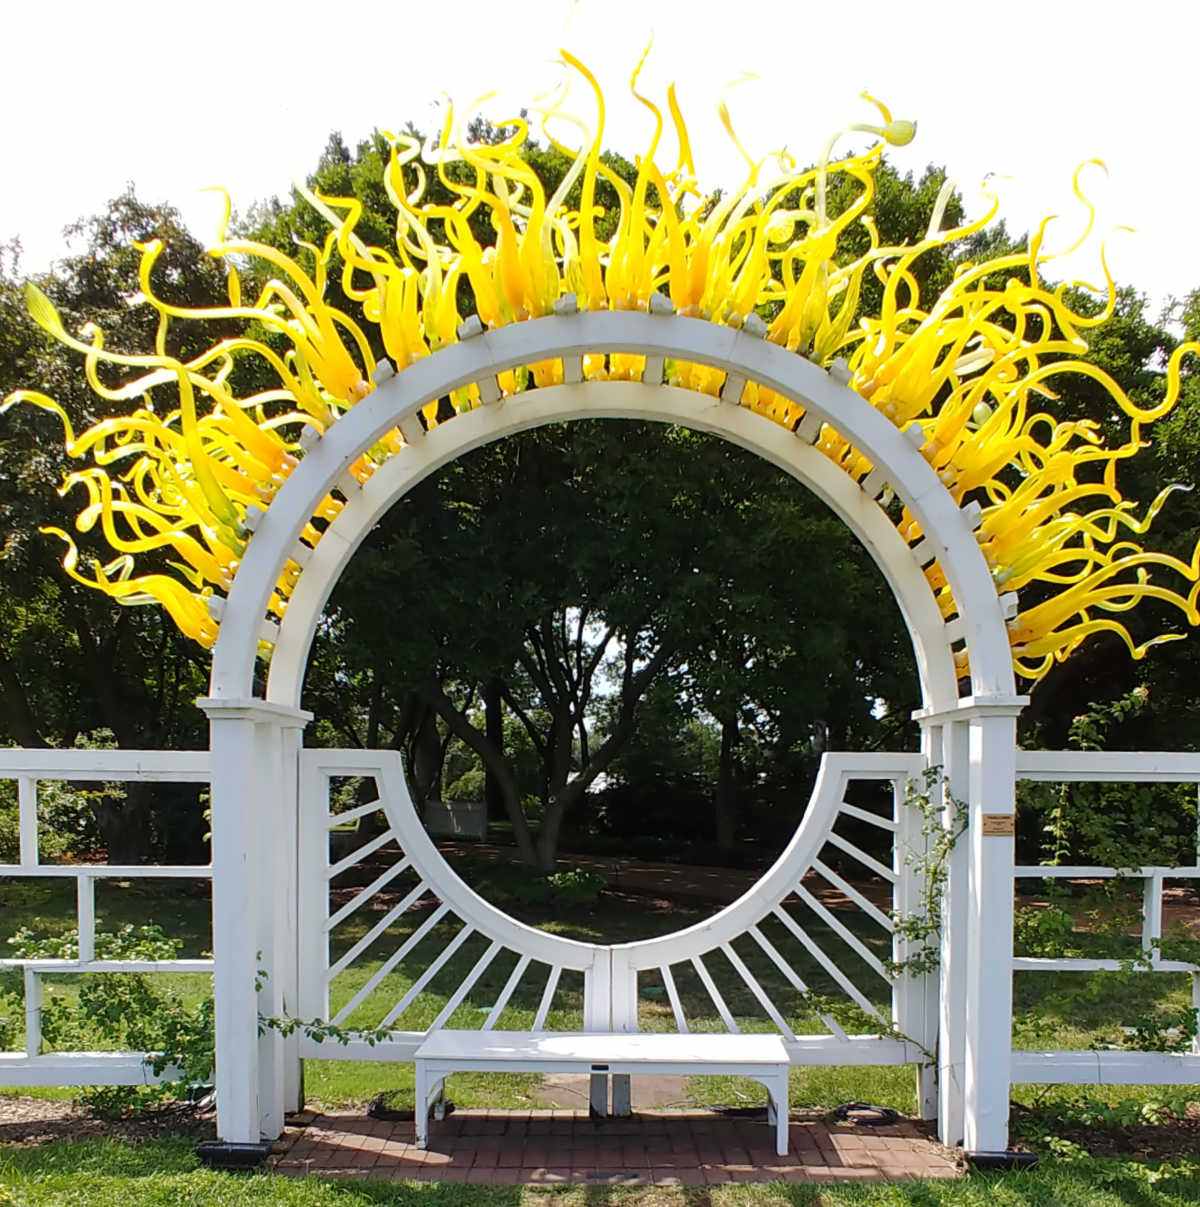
943,822
316,1029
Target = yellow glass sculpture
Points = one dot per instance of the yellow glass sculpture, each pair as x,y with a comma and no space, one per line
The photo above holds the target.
177,474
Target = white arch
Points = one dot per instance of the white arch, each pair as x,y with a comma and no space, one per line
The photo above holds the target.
946,529
612,400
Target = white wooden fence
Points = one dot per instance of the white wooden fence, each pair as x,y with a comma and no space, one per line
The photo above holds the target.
614,977
28,768
1111,1066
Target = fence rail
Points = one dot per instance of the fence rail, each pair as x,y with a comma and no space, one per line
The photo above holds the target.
28,767
34,1067
1115,1066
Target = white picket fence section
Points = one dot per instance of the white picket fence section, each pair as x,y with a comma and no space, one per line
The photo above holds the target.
611,974
405,843
797,878
1116,1066
768,921
28,767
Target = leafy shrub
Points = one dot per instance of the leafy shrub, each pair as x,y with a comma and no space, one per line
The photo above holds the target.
1042,931
1112,824
130,1010
577,886
506,885
66,819
468,787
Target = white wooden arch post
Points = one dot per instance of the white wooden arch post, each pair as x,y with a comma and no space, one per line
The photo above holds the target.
255,749
253,760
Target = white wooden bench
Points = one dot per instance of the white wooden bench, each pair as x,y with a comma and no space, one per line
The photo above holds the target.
761,1057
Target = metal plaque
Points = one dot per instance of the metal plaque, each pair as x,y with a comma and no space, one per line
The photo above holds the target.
999,825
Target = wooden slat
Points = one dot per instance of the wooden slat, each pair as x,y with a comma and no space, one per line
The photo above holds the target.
434,968
1105,1068
509,989
85,908
884,823
391,962
1152,916
652,374
81,1068
342,819
881,870
809,427
367,893
842,931
392,914
731,389
1078,872
794,979
868,907
759,992
27,819
713,992
356,857
539,1022
673,998
109,871
73,966
154,766
33,1013
1070,964
459,995
848,986
1108,766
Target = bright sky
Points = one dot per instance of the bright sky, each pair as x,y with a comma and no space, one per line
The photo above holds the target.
178,96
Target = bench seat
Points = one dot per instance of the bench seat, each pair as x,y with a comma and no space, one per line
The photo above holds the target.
761,1057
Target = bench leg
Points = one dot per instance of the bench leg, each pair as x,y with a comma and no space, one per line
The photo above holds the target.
777,1109
421,1104
430,1096
598,1093
779,1100
622,1096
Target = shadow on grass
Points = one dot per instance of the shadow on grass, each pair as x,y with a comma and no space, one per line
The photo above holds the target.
1108,1183
163,1172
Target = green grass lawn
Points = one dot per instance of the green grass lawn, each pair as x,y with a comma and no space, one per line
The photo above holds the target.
1047,1014
165,1173
1049,1009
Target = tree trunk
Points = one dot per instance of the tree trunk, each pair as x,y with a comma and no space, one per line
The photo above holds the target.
496,762
547,837
124,824
428,753
375,714
493,712
17,715
726,803
557,773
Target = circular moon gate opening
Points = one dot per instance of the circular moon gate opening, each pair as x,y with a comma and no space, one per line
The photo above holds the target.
746,934
626,652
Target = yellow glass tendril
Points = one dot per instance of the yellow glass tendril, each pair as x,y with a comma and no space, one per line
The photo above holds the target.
173,479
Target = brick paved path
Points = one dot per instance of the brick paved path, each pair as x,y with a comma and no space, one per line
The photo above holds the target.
674,1148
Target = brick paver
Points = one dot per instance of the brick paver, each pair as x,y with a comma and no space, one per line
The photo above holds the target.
551,1147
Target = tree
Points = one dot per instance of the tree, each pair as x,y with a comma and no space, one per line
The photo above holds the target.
70,661
550,587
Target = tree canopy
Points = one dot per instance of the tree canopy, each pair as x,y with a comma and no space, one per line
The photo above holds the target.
573,615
